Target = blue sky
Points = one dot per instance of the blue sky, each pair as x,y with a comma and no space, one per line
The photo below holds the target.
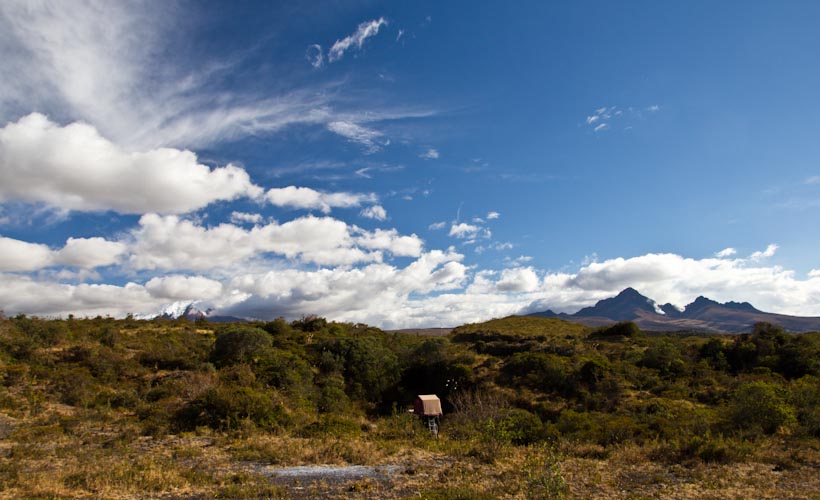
406,163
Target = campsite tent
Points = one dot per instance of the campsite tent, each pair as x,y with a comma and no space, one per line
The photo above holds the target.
427,405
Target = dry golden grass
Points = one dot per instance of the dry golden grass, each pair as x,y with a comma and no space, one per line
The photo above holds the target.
105,458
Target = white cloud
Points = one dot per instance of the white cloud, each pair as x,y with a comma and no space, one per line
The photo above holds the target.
310,199
177,287
520,279
363,32
379,292
315,56
242,217
726,252
436,226
376,212
45,298
434,289
171,243
392,241
493,215
126,68
85,253
769,252
430,154
518,261
605,117
74,168
89,253
815,179
102,62
357,133
463,230
23,256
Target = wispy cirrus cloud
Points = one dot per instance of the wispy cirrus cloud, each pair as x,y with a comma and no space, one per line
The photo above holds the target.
364,31
604,118
430,154
315,56
105,64
357,133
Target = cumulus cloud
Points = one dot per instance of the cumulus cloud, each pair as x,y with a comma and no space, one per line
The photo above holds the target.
764,254
726,252
376,212
73,167
520,279
27,295
85,253
357,39
390,240
310,199
172,243
89,253
23,256
434,289
436,226
493,215
177,287
242,217
378,291
462,230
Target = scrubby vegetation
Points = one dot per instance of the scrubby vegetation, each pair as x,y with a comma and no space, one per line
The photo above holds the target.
534,408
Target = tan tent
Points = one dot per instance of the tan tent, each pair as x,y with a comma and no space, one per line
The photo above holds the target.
427,405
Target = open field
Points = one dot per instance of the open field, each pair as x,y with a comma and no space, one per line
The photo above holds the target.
535,408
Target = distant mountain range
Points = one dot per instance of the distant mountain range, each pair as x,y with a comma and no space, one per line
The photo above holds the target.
701,315
191,312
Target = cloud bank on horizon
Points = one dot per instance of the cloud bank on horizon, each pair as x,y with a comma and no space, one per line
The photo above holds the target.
133,176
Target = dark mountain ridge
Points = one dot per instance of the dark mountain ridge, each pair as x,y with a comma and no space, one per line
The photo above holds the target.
703,314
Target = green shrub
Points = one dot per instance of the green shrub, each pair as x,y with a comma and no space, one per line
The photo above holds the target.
760,407
544,372
626,329
522,426
805,396
332,425
239,344
224,407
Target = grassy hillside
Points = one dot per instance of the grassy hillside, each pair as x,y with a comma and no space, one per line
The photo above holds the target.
535,408
526,326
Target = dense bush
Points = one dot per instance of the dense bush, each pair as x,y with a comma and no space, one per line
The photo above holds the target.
239,344
760,406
